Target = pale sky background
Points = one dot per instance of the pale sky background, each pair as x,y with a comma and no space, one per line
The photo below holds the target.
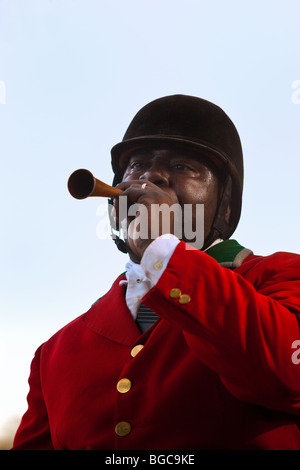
73,73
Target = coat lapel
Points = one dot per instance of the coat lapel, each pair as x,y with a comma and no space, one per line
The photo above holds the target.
110,316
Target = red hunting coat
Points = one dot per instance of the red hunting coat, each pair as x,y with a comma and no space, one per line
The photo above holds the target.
214,372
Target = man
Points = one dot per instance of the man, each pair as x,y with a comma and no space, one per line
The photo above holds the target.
209,365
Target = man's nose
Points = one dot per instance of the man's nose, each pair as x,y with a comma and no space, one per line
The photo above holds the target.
157,175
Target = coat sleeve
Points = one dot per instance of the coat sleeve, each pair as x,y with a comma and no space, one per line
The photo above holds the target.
242,326
34,432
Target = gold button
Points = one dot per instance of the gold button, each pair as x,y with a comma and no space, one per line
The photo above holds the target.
175,293
136,349
184,299
123,428
124,385
158,266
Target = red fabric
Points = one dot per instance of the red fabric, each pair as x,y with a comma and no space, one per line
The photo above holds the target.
215,373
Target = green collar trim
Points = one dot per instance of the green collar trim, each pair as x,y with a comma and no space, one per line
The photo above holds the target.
229,253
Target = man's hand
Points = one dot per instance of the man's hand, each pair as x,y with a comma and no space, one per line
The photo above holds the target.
151,216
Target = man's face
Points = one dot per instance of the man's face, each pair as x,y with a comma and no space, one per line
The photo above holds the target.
183,177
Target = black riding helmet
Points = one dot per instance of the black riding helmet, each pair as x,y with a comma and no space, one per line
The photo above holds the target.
192,123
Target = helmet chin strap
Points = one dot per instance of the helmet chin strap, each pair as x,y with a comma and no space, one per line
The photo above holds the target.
220,228
121,244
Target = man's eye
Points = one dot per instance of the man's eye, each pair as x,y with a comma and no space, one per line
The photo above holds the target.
136,165
179,166
182,167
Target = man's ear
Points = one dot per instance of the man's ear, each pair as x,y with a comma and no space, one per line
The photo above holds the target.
227,215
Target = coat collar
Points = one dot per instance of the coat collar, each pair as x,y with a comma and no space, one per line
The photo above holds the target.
229,253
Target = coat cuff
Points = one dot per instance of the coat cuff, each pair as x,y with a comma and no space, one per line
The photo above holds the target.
157,256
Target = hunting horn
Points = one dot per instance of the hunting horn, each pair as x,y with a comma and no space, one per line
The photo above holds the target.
83,184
